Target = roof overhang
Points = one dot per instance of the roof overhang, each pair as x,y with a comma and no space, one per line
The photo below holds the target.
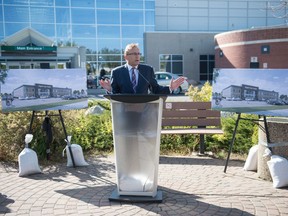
26,37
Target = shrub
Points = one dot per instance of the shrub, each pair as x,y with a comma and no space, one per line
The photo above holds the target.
246,135
178,144
92,132
200,94
13,127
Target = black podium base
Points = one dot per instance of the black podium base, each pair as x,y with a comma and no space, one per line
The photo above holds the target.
127,198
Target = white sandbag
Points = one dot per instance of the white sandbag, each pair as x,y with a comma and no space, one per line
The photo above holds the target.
28,162
27,159
278,167
252,159
77,156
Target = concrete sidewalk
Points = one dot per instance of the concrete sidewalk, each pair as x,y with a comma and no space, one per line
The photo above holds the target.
190,185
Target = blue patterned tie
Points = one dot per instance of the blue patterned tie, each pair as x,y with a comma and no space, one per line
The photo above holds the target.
133,80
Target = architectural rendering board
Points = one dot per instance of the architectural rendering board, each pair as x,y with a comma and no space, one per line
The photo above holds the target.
255,91
44,89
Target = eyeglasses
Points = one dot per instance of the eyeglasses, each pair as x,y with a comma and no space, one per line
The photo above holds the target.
135,54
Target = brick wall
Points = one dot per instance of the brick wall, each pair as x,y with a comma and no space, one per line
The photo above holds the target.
239,46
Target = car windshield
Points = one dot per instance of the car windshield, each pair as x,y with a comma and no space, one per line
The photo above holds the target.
164,77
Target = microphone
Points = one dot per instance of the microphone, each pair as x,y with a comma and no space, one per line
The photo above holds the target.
145,80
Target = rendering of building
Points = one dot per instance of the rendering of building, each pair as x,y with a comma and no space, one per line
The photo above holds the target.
174,35
248,92
40,91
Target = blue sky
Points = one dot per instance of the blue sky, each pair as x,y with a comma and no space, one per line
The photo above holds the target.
70,78
265,79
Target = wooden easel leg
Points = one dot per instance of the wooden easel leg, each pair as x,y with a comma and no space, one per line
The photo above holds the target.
232,142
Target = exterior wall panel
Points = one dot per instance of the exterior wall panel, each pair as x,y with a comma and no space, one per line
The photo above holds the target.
179,43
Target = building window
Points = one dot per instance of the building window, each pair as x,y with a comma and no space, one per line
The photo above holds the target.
265,49
171,63
221,54
207,63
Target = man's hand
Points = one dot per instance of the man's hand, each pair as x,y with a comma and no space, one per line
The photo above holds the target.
105,84
174,84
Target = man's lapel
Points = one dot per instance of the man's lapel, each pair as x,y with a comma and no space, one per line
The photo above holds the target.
127,77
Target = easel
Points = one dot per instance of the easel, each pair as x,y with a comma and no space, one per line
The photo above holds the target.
235,130
62,122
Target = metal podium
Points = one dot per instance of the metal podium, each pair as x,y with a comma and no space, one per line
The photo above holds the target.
136,133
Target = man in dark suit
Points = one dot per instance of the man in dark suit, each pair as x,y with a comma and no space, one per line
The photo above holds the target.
144,79
136,149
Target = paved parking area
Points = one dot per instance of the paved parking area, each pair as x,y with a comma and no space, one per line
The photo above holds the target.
190,185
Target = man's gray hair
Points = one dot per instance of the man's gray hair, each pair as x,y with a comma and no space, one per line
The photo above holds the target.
130,46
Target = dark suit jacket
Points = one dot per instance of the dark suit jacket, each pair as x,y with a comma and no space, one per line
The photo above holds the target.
121,83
